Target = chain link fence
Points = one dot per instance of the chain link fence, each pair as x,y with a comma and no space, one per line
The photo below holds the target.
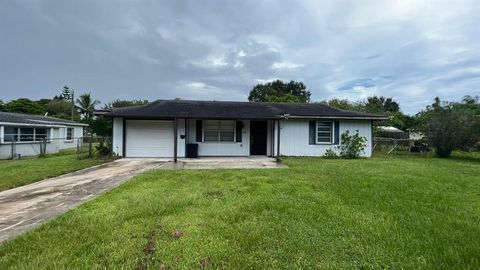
399,147
82,147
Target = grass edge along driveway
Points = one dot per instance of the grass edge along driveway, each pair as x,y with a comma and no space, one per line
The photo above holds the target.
15,173
375,213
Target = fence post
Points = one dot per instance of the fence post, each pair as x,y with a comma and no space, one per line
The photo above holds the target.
78,148
12,150
90,148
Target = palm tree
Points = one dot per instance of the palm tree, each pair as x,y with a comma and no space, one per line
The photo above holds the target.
86,105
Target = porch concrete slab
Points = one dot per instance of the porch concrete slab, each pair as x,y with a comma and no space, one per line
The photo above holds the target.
251,162
25,207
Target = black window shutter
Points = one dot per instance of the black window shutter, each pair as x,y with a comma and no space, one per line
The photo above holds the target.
311,132
198,131
238,131
337,132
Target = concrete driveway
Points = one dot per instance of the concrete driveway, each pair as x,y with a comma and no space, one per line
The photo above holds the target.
25,207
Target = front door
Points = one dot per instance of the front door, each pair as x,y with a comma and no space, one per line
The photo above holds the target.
258,138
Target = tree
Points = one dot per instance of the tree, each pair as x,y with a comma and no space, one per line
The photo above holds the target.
450,126
2,105
344,104
376,104
24,105
59,108
86,105
67,94
125,103
279,91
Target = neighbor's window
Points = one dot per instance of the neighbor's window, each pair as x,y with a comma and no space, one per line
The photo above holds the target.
324,131
11,134
24,134
219,131
69,136
40,134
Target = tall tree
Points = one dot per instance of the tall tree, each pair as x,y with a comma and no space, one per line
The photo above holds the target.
66,93
450,126
2,105
279,91
86,105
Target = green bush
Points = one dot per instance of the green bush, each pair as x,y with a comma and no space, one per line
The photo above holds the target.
352,146
330,154
102,149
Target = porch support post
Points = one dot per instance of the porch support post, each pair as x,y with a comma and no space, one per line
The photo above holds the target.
124,137
175,139
278,139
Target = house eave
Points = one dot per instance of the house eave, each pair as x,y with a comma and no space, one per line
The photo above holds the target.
39,124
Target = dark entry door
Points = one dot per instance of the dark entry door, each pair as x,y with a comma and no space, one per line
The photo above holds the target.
258,138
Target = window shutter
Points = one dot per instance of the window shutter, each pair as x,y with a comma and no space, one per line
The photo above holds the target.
238,131
311,132
337,132
198,131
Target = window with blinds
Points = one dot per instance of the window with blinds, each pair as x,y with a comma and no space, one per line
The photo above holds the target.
219,131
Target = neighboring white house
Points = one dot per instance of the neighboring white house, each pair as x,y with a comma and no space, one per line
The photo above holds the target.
25,135
168,128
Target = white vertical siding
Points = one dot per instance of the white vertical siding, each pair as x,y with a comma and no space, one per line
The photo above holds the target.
294,137
117,141
221,148
181,131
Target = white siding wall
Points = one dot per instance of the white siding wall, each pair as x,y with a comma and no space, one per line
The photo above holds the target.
57,143
294,137
117,141
222,148
181,142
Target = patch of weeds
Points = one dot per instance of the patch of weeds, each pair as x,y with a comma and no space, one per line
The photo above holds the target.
177,234
217,194
205,262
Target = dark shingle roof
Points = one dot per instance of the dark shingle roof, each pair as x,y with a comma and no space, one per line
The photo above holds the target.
19,118
235,110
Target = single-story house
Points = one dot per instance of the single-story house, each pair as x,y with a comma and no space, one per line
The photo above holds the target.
25,135
167,128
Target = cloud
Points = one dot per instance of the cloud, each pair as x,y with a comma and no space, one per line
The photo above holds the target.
285,65
410,50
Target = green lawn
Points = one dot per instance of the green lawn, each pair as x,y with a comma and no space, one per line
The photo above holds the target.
14,173
334,214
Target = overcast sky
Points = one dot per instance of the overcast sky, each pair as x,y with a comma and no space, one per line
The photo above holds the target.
217,49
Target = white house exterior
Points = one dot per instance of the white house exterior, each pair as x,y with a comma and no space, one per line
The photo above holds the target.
25,135
167,128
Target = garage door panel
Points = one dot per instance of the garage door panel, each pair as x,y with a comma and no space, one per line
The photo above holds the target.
147,138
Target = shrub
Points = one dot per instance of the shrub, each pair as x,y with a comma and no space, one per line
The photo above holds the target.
352,146
102,149
330,154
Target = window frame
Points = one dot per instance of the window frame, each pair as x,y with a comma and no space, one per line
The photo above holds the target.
332,131
219,130
72,135
18,136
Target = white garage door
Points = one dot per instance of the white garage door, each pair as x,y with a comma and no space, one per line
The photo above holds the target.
146,138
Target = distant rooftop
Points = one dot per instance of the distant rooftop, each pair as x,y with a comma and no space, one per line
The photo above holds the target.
39,120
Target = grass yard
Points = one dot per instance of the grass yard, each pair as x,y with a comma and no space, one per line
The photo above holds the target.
14,173
376,213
